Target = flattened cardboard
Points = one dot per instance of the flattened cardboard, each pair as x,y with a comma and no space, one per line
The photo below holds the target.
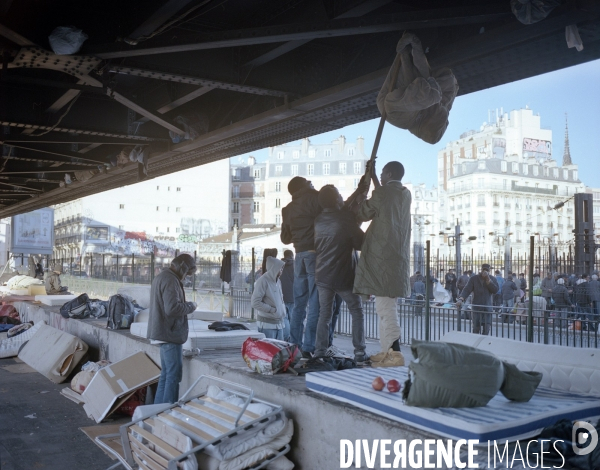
53,353
118,380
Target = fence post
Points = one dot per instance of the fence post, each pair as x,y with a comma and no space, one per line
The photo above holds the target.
427,286
152,269
132,268
252,282
80,258
91,265
530,313
117,279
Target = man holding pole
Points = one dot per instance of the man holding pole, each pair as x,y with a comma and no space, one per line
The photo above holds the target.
384,266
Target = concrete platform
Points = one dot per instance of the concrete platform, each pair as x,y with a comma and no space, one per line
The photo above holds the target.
320,422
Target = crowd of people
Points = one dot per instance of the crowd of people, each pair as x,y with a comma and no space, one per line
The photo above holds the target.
565,297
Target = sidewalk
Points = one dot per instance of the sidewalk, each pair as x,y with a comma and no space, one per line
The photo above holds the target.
50,440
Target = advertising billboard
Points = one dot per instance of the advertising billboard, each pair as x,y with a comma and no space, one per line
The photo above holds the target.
33,233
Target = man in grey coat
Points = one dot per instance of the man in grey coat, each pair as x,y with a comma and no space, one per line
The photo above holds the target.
384,266
168,324
483,286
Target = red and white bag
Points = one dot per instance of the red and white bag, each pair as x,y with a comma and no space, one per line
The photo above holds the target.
269,356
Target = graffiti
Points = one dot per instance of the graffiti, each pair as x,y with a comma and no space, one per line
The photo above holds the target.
136,236
537,146
190,238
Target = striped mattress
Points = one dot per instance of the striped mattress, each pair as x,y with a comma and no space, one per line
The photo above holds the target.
501,420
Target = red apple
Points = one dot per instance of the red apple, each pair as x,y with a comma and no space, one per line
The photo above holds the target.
378,384
393,386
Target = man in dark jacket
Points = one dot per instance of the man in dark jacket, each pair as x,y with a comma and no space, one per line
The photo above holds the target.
168,324
298,228
287,287
562,301
419,290
462,281
483,286
337,236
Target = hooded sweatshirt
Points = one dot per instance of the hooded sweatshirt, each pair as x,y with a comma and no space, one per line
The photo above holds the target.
267,298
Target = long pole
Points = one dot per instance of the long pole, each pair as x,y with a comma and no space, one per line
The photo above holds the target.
530,312
427,287
252,281
457,244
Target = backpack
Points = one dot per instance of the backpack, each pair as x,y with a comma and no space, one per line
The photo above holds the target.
120,312
79,307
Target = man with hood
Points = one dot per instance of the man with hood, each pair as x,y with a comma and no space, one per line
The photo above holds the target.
267,300
168,324
384,266
53,285
287,287
297,227
337,236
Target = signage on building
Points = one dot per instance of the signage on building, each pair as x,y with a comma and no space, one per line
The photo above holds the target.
96,234
537,148
33,233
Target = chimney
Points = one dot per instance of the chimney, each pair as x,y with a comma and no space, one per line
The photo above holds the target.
251,161
305,144
360,144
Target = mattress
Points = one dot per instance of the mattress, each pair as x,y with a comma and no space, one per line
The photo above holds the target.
201,337
54,300
501,420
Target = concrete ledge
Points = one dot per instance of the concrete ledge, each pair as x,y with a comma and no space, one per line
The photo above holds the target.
320,421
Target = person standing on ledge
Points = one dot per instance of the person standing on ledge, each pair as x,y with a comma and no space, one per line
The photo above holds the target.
384,266
168,324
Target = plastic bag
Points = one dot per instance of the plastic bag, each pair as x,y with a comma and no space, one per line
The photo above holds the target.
82,380
66,40
440,294
269,356
532,11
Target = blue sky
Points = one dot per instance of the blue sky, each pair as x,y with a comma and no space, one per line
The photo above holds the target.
574,90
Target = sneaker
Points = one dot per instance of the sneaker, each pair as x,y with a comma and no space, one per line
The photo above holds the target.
334,351
307,355
391,359
361,358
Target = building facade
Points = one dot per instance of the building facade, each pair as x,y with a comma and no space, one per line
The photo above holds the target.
259,190
503,184
159,216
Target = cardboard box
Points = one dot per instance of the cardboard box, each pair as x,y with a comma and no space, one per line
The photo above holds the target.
113,384
53,353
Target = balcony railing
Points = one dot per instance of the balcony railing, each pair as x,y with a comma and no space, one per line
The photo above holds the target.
459,207
528,224
496,204
451,208
507,205
540,224
518,223
496,222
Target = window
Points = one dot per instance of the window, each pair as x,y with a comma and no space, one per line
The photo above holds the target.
326,168
481,165
257,173
168,189
481,200
464,168
277,203
121,206
157,208
504,184
280,155
236,208
481,217
278,187
296,154
327,153
481,234
515,167
342,168
351,152
503,166
157,229
575,175
236,222
535,170
566,174
312,153
555,172
121,227
178,209
294,170
168,229
356,181
157,188
278,169
277,219
177,230
525,169
256,207
357,168
236,191
480,182
178,189
310,169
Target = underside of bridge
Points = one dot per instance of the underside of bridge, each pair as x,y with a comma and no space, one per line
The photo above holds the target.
246,74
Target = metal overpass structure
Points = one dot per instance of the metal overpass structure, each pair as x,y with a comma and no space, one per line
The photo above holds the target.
252,73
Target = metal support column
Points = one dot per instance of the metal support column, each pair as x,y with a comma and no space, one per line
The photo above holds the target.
252,281
427,287
530,282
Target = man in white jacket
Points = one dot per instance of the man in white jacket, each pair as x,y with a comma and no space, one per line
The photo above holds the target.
267,300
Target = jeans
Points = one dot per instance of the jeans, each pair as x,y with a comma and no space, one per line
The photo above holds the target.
171,363
272,333
326,297
289,308
337,305
482,320
563,314
305,292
